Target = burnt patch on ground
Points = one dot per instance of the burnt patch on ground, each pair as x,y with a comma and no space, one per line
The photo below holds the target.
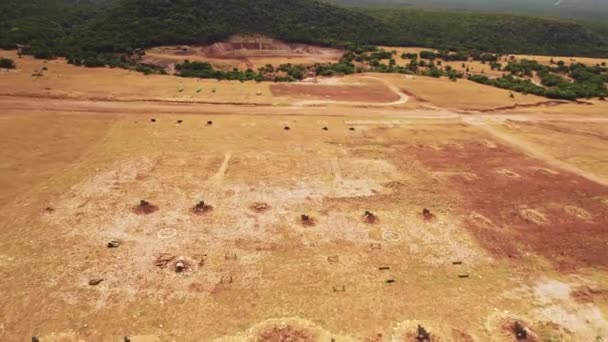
511,215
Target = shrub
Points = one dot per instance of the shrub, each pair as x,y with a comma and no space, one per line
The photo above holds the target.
7,63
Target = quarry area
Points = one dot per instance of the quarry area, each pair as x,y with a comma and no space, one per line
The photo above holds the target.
368,207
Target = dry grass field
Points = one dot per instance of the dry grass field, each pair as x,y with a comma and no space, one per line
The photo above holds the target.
354,209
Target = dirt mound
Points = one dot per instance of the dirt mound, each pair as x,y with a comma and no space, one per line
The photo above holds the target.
145,208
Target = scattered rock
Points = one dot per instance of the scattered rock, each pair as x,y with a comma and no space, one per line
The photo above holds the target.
352,128
162,260
95,282
333,259
180,121
209,123
49,209
325,129
260,207
390,281
114,244
152,120
286,128
384,268
339,288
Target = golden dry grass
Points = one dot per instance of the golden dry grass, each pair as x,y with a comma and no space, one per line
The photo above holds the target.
92,161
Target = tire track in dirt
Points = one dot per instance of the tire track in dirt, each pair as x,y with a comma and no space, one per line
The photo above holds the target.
536,152
219,176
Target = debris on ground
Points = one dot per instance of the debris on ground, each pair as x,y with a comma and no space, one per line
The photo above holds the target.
390,281
307,220
456,262
369,217
145,208
384,268
286,128
95,281
163,259
426,213
463,275
333,259
260,207
339,288
152,120
114,244
180,121
226,279
180,266
49,209
230,256
209,123
325,129
201,208
375,245
422,335
521,333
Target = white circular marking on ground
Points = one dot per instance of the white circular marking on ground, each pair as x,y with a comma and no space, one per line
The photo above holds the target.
391,236
166,233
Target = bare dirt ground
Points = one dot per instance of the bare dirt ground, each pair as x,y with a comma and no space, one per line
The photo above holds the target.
244,52
313,225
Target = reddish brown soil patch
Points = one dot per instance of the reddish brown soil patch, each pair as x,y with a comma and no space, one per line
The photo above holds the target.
145,208
286,333
528,211
350,93
587,294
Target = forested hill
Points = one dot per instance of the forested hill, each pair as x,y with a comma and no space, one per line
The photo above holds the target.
84,28
141,23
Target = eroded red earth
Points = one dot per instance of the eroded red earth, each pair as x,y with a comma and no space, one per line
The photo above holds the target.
513,204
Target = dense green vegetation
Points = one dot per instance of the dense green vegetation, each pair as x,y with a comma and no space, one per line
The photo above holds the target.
96,33
7,63
587,81
86,30
501,33
583,9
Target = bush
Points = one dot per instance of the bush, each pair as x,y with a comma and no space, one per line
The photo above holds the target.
7,63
